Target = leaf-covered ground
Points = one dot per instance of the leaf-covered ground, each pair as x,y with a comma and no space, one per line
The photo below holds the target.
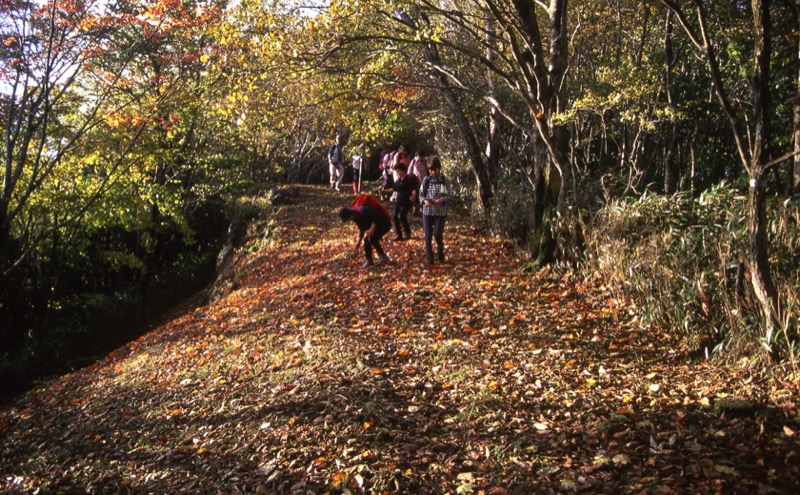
314,376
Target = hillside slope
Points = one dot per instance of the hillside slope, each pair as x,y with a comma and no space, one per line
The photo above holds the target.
314,376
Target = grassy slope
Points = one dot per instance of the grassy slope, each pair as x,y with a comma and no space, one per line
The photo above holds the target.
473,377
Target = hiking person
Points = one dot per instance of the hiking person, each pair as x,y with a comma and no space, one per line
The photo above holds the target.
387,176
406,188
336,163
434,195
396,157
373,222
419,169
401,156
359,163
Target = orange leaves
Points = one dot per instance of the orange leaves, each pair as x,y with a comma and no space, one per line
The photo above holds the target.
514,382
625,411
469,330
340,479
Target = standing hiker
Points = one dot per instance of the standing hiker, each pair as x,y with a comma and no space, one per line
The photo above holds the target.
359,164
336,162
419,169
405,187
433,195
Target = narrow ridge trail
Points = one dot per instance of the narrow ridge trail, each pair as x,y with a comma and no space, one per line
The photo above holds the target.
314,376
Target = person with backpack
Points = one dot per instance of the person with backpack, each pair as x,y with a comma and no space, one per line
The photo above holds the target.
406,188
419,169
433,195
387,176
373,222
336,163
359,164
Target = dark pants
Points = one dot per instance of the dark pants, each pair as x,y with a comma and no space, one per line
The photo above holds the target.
401,209
375,241
433,227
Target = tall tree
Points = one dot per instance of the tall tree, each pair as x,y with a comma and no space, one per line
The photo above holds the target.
74,110
796,108
755,157
47,112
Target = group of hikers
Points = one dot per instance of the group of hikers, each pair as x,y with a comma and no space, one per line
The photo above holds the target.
412,185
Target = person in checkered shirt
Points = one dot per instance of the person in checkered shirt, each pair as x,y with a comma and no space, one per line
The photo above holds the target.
433,195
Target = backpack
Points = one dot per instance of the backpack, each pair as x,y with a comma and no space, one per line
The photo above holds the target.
333,154
371,201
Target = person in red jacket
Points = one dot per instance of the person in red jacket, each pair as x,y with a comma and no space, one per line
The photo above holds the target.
372,225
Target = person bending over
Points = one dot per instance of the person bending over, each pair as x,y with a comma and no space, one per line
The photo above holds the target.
372,225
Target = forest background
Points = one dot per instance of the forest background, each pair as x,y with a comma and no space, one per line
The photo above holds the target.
651,144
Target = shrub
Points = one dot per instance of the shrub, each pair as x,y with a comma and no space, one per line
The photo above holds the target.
681,260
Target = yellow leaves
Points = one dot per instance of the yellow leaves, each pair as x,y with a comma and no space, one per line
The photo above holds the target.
340,479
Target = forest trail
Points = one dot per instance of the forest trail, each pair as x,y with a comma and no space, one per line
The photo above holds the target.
314,376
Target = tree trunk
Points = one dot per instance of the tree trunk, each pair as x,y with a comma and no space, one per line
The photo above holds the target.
754,159
467,133
494,119
760,272
671,168
542,244
796,168
763,285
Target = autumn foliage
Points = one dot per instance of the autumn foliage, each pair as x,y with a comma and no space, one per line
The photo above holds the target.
313,376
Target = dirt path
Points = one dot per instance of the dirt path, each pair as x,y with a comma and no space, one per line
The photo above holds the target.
315,376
